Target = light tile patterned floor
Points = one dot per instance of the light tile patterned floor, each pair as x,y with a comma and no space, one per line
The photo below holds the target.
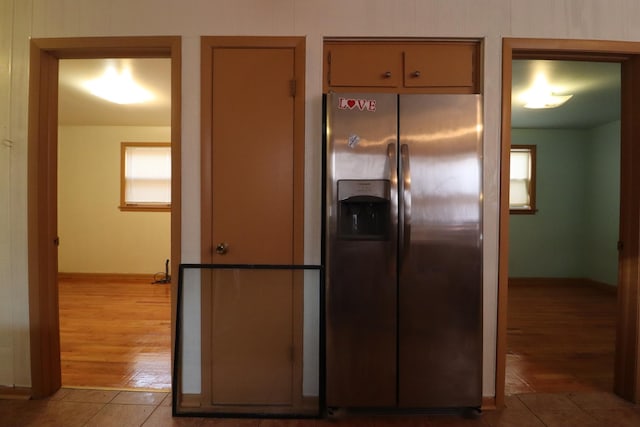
100,408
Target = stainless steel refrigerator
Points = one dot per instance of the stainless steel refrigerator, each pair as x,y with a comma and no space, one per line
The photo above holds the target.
403,250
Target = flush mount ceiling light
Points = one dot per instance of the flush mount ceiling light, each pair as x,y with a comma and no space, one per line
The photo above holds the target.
542,95
119,88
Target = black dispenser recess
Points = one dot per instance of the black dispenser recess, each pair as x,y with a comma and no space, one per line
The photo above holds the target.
363,209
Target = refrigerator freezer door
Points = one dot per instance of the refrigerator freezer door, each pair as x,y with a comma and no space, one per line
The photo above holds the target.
440,289
361,267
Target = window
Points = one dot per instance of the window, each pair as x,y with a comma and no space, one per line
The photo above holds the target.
145,176
522,185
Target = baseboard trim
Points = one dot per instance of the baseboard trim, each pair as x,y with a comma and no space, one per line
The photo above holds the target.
136,389
15,393
106,277
489,403
191,400
562,281
602,286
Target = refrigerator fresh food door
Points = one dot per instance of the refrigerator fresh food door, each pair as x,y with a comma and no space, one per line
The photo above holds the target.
361,242
440,288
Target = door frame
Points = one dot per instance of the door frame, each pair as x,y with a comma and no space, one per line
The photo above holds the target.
627,372
42,183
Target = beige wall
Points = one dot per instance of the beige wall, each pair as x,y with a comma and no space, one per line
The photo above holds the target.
95,236
488,19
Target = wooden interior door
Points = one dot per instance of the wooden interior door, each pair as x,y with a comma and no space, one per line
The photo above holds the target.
252,333
252,150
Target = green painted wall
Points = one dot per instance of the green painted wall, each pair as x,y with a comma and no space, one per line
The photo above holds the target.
575,230
603,219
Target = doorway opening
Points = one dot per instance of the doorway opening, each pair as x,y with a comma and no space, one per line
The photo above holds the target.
115,319
44,236
563,261
625,378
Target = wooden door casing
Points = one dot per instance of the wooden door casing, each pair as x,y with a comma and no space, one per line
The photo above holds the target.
627,374
42,171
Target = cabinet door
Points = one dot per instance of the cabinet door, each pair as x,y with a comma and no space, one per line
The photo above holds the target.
440,65
358,65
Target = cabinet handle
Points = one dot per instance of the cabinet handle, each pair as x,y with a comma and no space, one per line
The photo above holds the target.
416,73
387,74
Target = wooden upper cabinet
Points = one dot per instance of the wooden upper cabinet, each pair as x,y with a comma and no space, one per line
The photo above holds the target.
367,65
402,66
440,65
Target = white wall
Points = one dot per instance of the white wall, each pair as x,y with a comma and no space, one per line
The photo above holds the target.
488,19
6,314
95,236
15,26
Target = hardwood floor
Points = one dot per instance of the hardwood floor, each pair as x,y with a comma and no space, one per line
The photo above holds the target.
560,338
115,334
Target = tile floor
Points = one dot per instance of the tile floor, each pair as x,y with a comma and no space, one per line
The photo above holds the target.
105,408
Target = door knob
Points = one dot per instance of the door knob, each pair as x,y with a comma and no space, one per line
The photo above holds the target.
221,248
416,73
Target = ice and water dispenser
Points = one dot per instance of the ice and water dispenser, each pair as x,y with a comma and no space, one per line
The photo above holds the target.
363,209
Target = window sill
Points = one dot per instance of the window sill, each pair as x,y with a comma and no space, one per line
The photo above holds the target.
523,211
145,208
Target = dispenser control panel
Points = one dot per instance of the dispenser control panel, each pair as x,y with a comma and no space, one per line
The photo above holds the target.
363,209
363,187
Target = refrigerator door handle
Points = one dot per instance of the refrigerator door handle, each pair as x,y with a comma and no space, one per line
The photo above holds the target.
405,204
393,163
393,180
391,157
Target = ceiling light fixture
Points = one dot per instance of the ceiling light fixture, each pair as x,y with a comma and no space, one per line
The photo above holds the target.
542,95
119,88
